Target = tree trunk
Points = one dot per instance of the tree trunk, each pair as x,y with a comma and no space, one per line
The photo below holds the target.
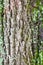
17,33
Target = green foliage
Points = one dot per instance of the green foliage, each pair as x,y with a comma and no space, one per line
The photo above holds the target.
39,59
1,6
38,17
38,12
1,59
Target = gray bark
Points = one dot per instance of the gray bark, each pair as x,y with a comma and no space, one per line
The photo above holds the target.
17,33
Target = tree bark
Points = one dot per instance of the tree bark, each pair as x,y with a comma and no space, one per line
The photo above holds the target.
17,33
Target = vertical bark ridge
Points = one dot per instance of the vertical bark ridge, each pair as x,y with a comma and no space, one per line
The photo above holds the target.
13,32
18,31
6,31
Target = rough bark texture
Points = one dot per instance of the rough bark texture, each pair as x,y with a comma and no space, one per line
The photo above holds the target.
17,33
